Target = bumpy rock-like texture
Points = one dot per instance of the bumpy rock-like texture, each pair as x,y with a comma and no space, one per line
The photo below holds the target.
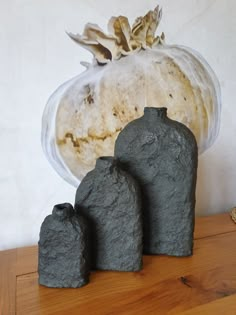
161,154
63,249
110,200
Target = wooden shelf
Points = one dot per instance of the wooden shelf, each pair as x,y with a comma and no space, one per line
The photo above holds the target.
202,284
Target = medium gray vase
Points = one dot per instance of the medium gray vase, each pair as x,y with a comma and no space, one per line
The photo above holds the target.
110,200
162,156
63,249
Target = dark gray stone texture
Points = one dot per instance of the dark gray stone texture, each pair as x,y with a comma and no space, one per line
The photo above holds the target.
161,154
63,249
110,200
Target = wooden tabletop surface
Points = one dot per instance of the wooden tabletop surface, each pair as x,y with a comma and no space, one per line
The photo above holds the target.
202,284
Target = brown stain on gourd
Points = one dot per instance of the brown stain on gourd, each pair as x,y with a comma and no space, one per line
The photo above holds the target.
80,146
89,99
171,68
76,142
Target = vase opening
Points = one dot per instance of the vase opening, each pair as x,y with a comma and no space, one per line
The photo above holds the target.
62,210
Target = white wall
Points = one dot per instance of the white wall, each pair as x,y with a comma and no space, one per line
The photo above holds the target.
36,56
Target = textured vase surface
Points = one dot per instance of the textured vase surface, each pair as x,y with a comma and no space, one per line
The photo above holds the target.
63,249
110,200
161,154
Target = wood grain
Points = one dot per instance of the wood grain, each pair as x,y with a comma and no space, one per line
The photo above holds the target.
7,282
169,284
224,306
213,225
202,284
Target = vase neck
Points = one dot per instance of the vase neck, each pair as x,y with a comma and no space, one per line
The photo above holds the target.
105,163
155,112
62,211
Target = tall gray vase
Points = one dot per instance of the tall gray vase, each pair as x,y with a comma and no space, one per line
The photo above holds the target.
110,200
162,156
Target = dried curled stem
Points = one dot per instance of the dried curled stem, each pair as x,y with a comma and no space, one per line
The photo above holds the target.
122,40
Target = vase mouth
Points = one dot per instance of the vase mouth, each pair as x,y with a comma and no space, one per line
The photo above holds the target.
155,112
104,162
63,210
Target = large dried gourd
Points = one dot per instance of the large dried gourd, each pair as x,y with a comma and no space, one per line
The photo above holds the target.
132,68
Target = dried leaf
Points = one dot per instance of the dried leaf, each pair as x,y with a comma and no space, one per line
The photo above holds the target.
155,17
120,28
101,54
95,33
122,40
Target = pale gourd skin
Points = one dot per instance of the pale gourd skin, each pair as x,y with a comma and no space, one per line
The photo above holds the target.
85,115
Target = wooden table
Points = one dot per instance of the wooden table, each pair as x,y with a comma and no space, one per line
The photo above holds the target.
202,284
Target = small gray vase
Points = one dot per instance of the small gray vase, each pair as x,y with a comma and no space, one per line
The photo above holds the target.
63,249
